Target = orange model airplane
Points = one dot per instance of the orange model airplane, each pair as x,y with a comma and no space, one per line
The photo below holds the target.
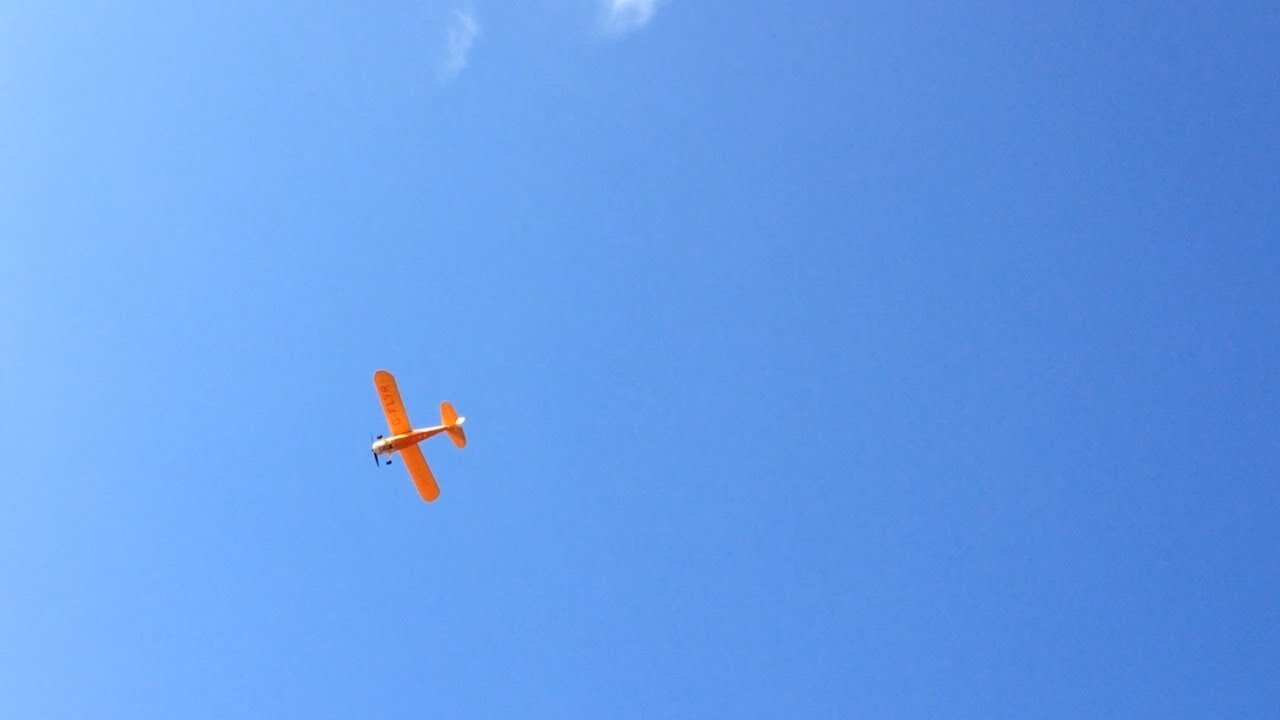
404,438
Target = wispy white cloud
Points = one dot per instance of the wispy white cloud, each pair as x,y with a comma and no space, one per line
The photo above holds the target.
463,31
623,16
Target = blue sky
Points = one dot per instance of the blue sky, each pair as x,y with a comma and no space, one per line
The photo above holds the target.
821,360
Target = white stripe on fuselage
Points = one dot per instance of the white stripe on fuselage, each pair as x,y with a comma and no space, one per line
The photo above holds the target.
386,446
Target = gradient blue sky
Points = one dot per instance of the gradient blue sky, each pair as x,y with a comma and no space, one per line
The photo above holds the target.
884,359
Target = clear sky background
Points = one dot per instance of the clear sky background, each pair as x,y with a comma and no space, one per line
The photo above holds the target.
834,359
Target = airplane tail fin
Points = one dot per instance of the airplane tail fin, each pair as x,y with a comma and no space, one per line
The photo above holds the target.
453,424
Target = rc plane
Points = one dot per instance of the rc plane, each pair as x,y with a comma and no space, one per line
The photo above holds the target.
404,438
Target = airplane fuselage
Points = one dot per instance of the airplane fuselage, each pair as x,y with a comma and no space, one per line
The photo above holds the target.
395,443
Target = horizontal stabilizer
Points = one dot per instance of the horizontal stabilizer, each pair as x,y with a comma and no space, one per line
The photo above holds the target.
453,424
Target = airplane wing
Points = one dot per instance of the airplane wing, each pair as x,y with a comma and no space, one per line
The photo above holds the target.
420,472
389,394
